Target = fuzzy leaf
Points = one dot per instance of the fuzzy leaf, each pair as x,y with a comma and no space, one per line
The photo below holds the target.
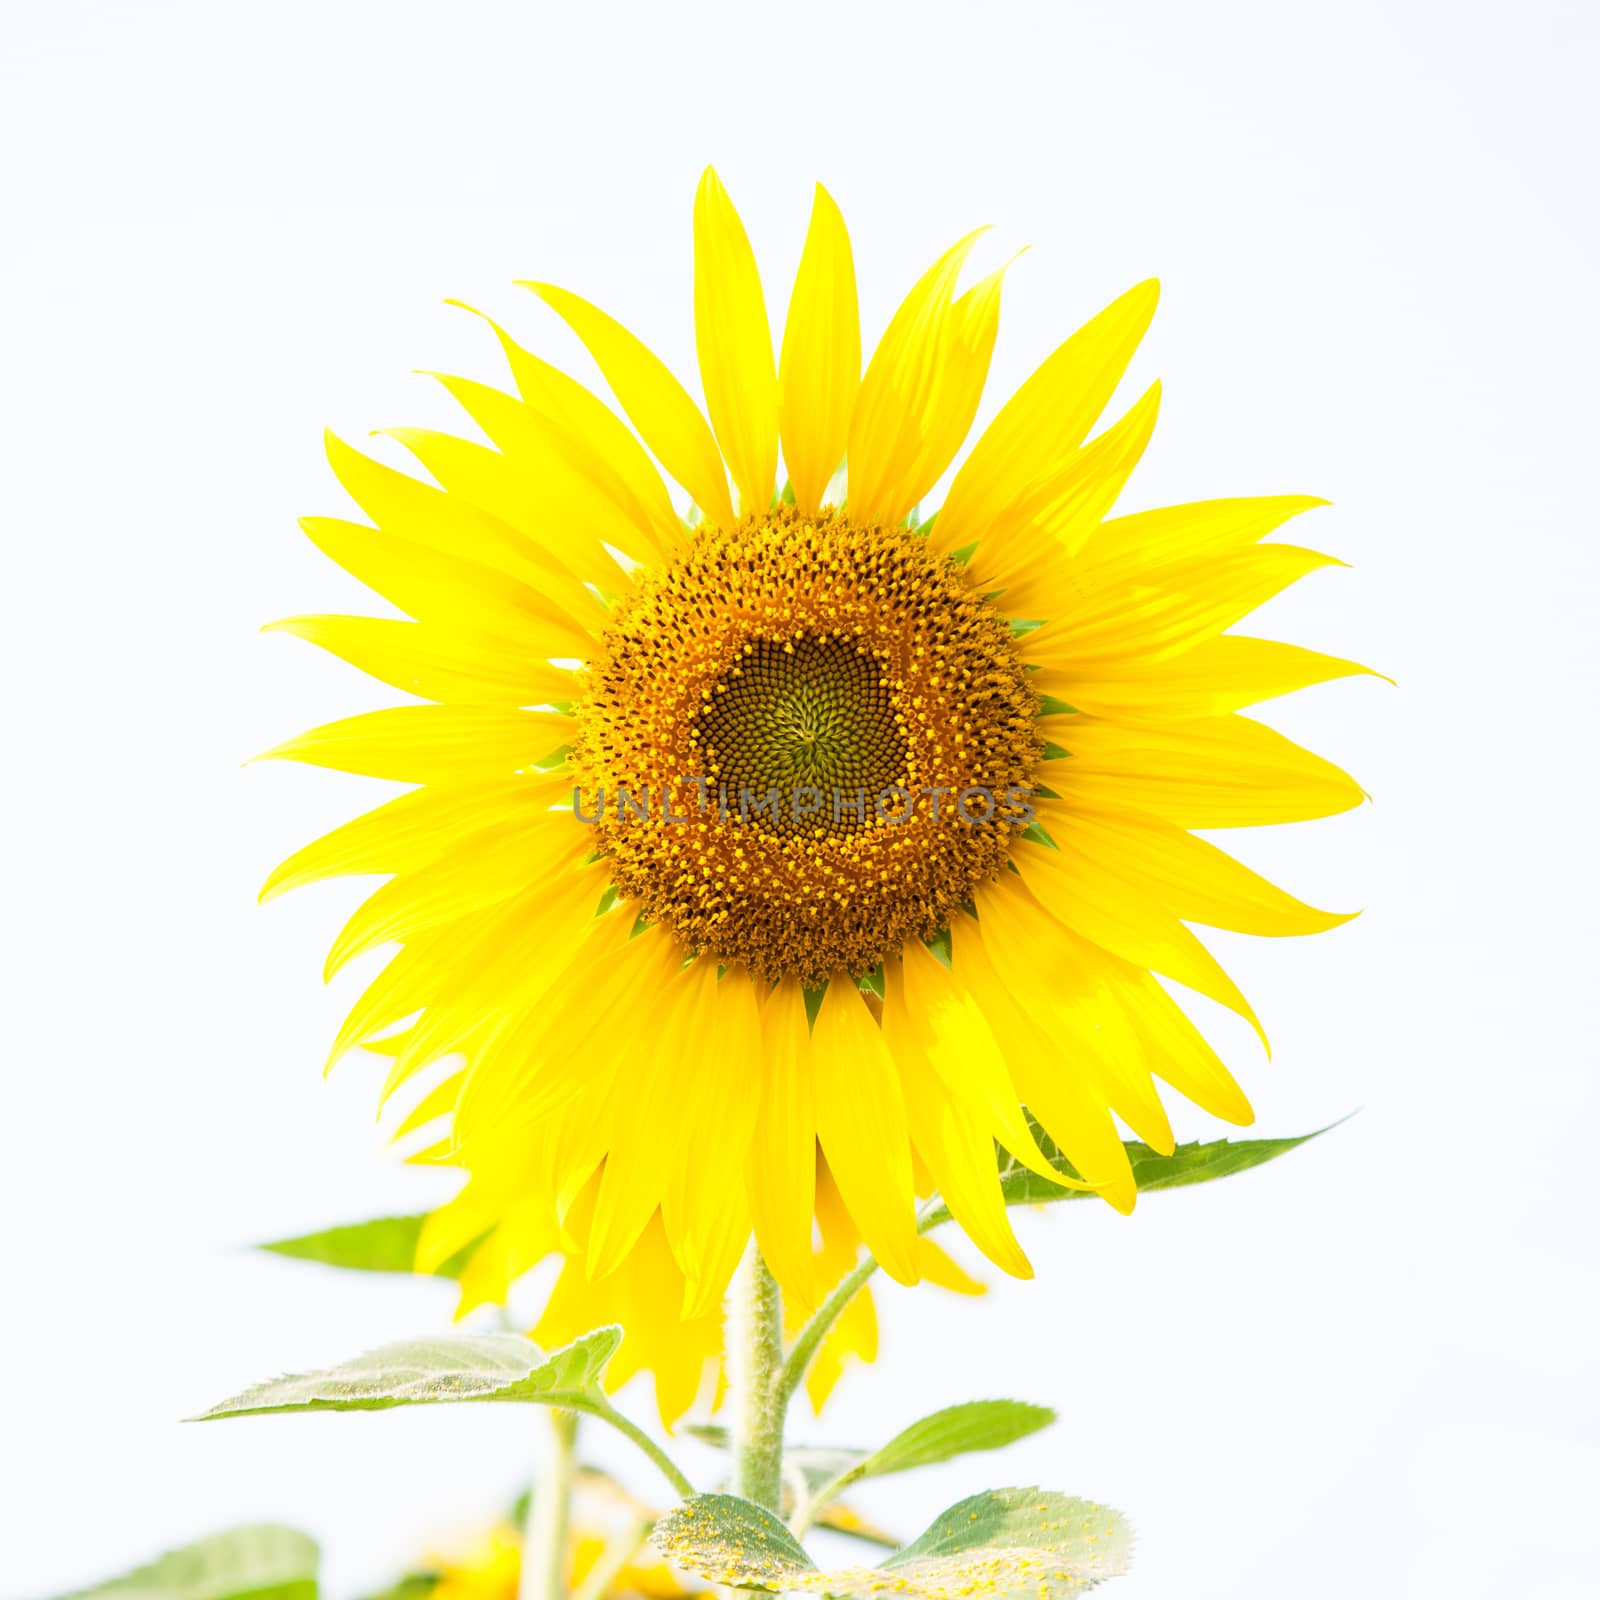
490,1366
1004,1544
734,1542
255,1562
1024,1543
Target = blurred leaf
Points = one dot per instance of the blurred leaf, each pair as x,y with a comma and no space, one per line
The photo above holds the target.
414,1586
711,1433
260,1561
841,1517
1004,1544
385,1244
812,1465
489,1366
816,1465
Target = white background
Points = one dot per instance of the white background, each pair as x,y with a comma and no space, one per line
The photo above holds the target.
1368,1369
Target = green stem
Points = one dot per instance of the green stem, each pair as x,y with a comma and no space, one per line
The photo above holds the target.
544,1537
933,1215
755,1373
630,1430
816,1330
817,1503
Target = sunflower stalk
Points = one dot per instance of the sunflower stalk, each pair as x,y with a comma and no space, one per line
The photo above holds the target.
544,1537
755,1381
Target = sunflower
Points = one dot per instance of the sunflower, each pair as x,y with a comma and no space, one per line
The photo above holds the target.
806,821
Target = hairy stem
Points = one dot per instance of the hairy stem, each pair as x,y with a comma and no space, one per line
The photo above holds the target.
544,1539
755,1381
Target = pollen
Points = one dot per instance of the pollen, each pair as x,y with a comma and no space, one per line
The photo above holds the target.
806,740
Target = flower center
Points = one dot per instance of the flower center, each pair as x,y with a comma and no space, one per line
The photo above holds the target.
806,740
808,713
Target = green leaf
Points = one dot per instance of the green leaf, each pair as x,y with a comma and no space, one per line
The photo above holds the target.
733,1542
386,1244
1004,1544
1200,1162
954,1431
489,1366
1027,1543
256,1562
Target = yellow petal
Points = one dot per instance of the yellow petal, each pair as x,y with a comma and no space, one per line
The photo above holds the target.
939,1267
1176,1052
427,515
1088,897
651,1125
928,1015
861,1125
476,874
1071,989
855,1335
707,1216
439,664
960,1156
1126,545
655,402
454,1226
907,405
974,325
1063,1091
1045,420
594,438
430,744
447,591
1029,550
1211,679
409,832
1160,619
820,369
1193,878
439,1101
573,502
404,985
1213,772
781,1170
734,343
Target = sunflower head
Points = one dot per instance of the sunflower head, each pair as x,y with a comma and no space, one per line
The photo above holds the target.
833,730
801,832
